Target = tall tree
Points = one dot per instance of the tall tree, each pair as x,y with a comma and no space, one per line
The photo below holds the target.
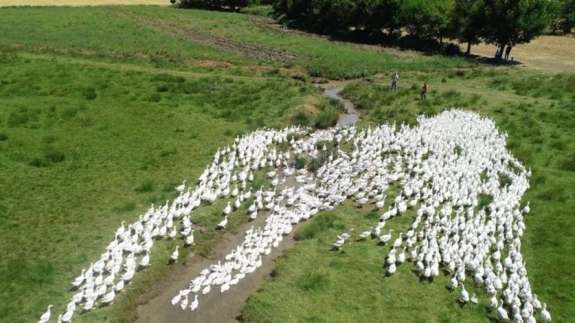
512,22
567,15
467,21
427,19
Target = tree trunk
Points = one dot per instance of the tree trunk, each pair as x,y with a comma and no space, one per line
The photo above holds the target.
468,52
507,54
500,51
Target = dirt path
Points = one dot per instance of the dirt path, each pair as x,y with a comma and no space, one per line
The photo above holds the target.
215,307
351,116
332,90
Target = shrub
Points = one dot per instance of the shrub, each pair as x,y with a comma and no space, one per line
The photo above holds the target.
163,88
326,118
301,118
89,93
265,11
3,136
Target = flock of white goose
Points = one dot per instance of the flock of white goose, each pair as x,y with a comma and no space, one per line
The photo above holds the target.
468,220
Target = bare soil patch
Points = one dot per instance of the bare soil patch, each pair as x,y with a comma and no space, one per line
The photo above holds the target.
546,53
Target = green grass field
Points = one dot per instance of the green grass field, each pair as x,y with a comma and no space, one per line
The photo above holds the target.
537,112
105,110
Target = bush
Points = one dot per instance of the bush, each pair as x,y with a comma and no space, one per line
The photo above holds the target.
89,94
3,136
265,11
326,118
301,118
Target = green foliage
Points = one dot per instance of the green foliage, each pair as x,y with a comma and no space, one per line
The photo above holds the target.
326,118
564,16
501,22
426,19
515,22
467,21
258,10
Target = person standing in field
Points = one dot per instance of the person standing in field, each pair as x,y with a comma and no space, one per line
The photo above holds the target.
395,81
424,90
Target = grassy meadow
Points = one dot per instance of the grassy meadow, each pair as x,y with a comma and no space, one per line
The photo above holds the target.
537,111
104,110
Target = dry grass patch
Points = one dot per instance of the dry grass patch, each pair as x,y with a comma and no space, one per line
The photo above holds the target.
547,53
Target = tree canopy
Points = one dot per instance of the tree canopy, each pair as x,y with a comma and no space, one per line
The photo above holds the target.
500,22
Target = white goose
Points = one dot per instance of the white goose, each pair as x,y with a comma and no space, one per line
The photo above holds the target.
46,316
175,255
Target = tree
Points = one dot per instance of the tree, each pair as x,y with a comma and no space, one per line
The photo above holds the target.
467,21
567,15
427,19
375,15
513,22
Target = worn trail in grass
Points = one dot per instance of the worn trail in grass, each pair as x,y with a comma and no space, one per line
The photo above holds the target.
536,119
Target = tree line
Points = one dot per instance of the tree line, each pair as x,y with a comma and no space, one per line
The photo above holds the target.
504,23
